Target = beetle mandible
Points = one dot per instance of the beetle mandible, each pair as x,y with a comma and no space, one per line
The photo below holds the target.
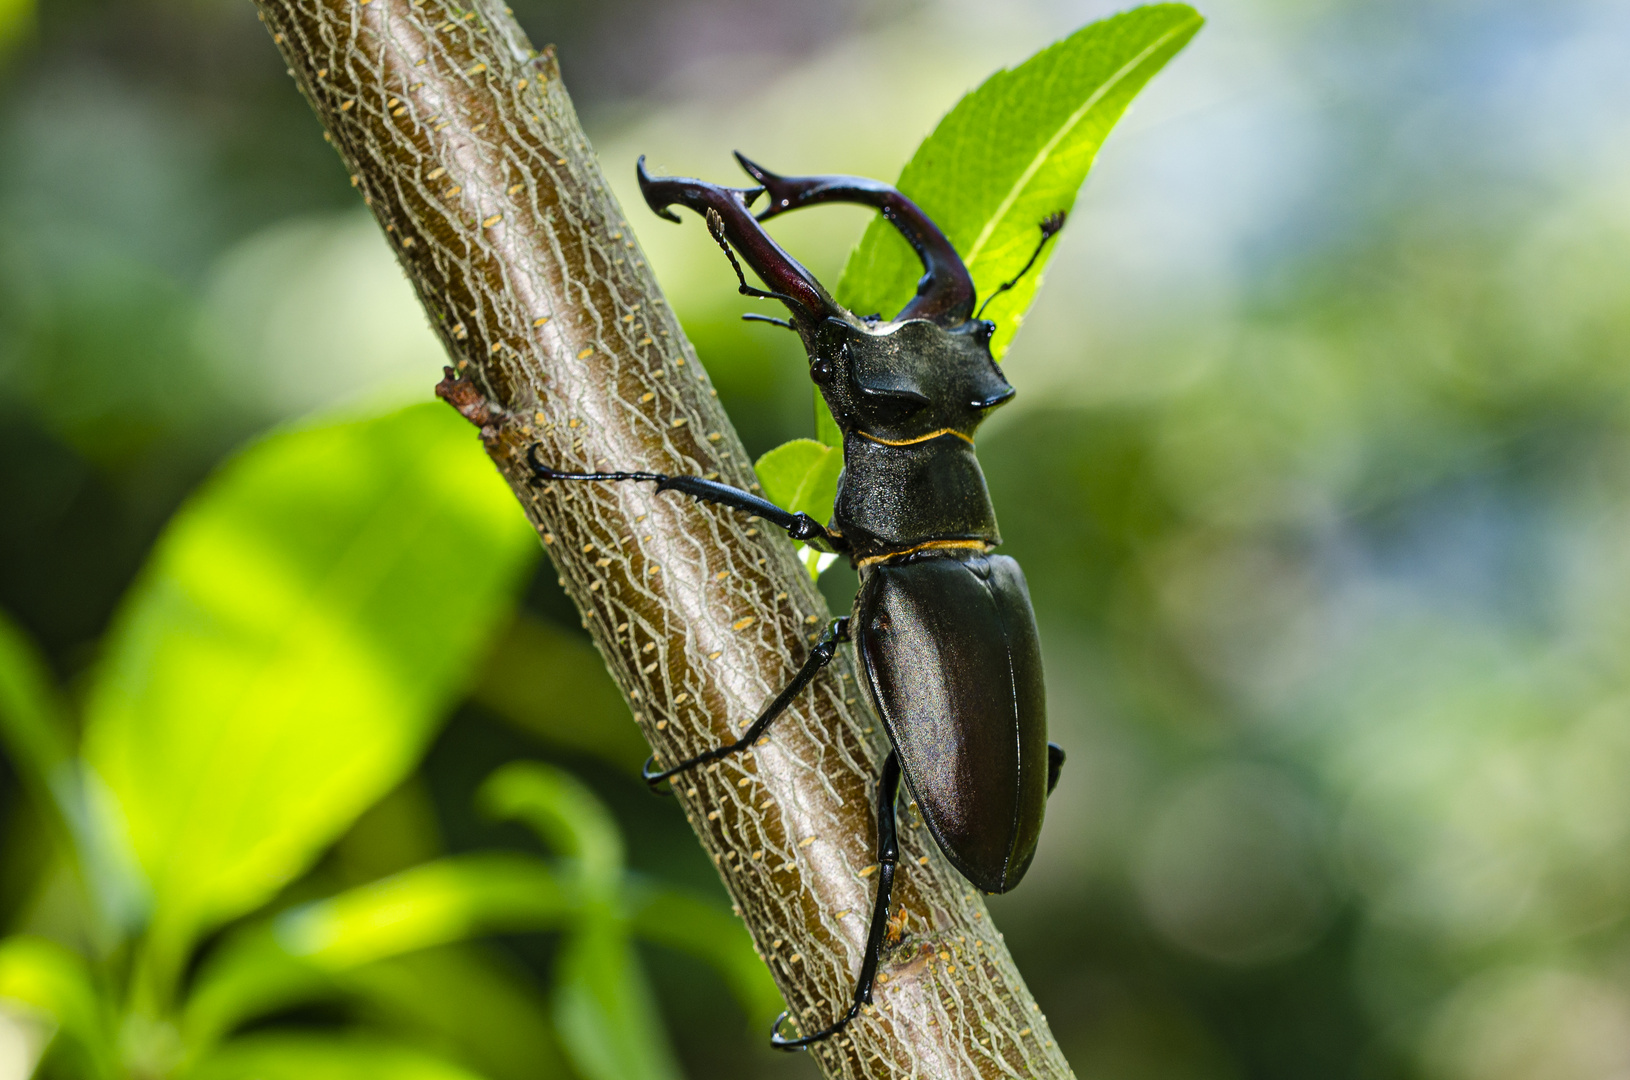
944,630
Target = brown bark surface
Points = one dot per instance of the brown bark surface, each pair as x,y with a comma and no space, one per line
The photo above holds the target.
465,144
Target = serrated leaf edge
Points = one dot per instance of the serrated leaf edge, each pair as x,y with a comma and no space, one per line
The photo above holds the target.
1064,130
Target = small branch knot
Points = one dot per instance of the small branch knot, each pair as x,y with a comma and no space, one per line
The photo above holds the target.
471,404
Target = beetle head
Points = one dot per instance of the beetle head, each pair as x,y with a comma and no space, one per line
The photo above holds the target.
903,381
928,369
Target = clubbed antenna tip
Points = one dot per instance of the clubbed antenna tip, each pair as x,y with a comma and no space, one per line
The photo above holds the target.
1050,226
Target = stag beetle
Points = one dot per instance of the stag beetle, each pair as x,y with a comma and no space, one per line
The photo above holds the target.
943,628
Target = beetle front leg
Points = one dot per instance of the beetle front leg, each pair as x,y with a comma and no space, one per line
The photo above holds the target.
799,526
821,655
888,854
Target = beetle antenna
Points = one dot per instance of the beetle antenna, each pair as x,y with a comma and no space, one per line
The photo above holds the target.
715,226
753,316
1050,226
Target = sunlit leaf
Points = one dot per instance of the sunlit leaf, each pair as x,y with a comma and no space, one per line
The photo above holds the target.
802,475
565,814
604,1011
325,1057
429,905
296,956
553,684
711,934
45,977
1012,152
301,629
826,428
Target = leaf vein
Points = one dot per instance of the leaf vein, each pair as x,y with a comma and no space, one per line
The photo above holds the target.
1064,130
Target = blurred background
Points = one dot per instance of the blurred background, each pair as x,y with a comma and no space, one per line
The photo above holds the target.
1319,469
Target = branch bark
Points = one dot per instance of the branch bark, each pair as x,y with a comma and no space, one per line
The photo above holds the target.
465,144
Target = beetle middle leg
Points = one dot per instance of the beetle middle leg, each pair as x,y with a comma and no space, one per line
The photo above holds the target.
837,632
888,854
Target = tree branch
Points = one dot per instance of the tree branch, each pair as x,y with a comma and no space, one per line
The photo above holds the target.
464,142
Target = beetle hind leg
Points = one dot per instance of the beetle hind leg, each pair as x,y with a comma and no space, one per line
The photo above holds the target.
821,655
888,854
1055,765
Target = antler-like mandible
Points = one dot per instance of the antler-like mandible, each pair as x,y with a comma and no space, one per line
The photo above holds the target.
788,280
945,294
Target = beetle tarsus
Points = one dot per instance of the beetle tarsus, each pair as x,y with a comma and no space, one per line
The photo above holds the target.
753,316
888,855
836,632
544,472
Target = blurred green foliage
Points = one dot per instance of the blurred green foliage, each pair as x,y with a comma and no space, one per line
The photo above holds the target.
301,630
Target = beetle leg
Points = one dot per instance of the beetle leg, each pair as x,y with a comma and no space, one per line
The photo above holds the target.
888,854
800,526
1055,763
837,632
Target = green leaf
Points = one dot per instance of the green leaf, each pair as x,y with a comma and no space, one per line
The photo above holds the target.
439,902
325,1057
1012,152
604,1011
302,628
801,475
565,814
45,977
711,934
296,956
